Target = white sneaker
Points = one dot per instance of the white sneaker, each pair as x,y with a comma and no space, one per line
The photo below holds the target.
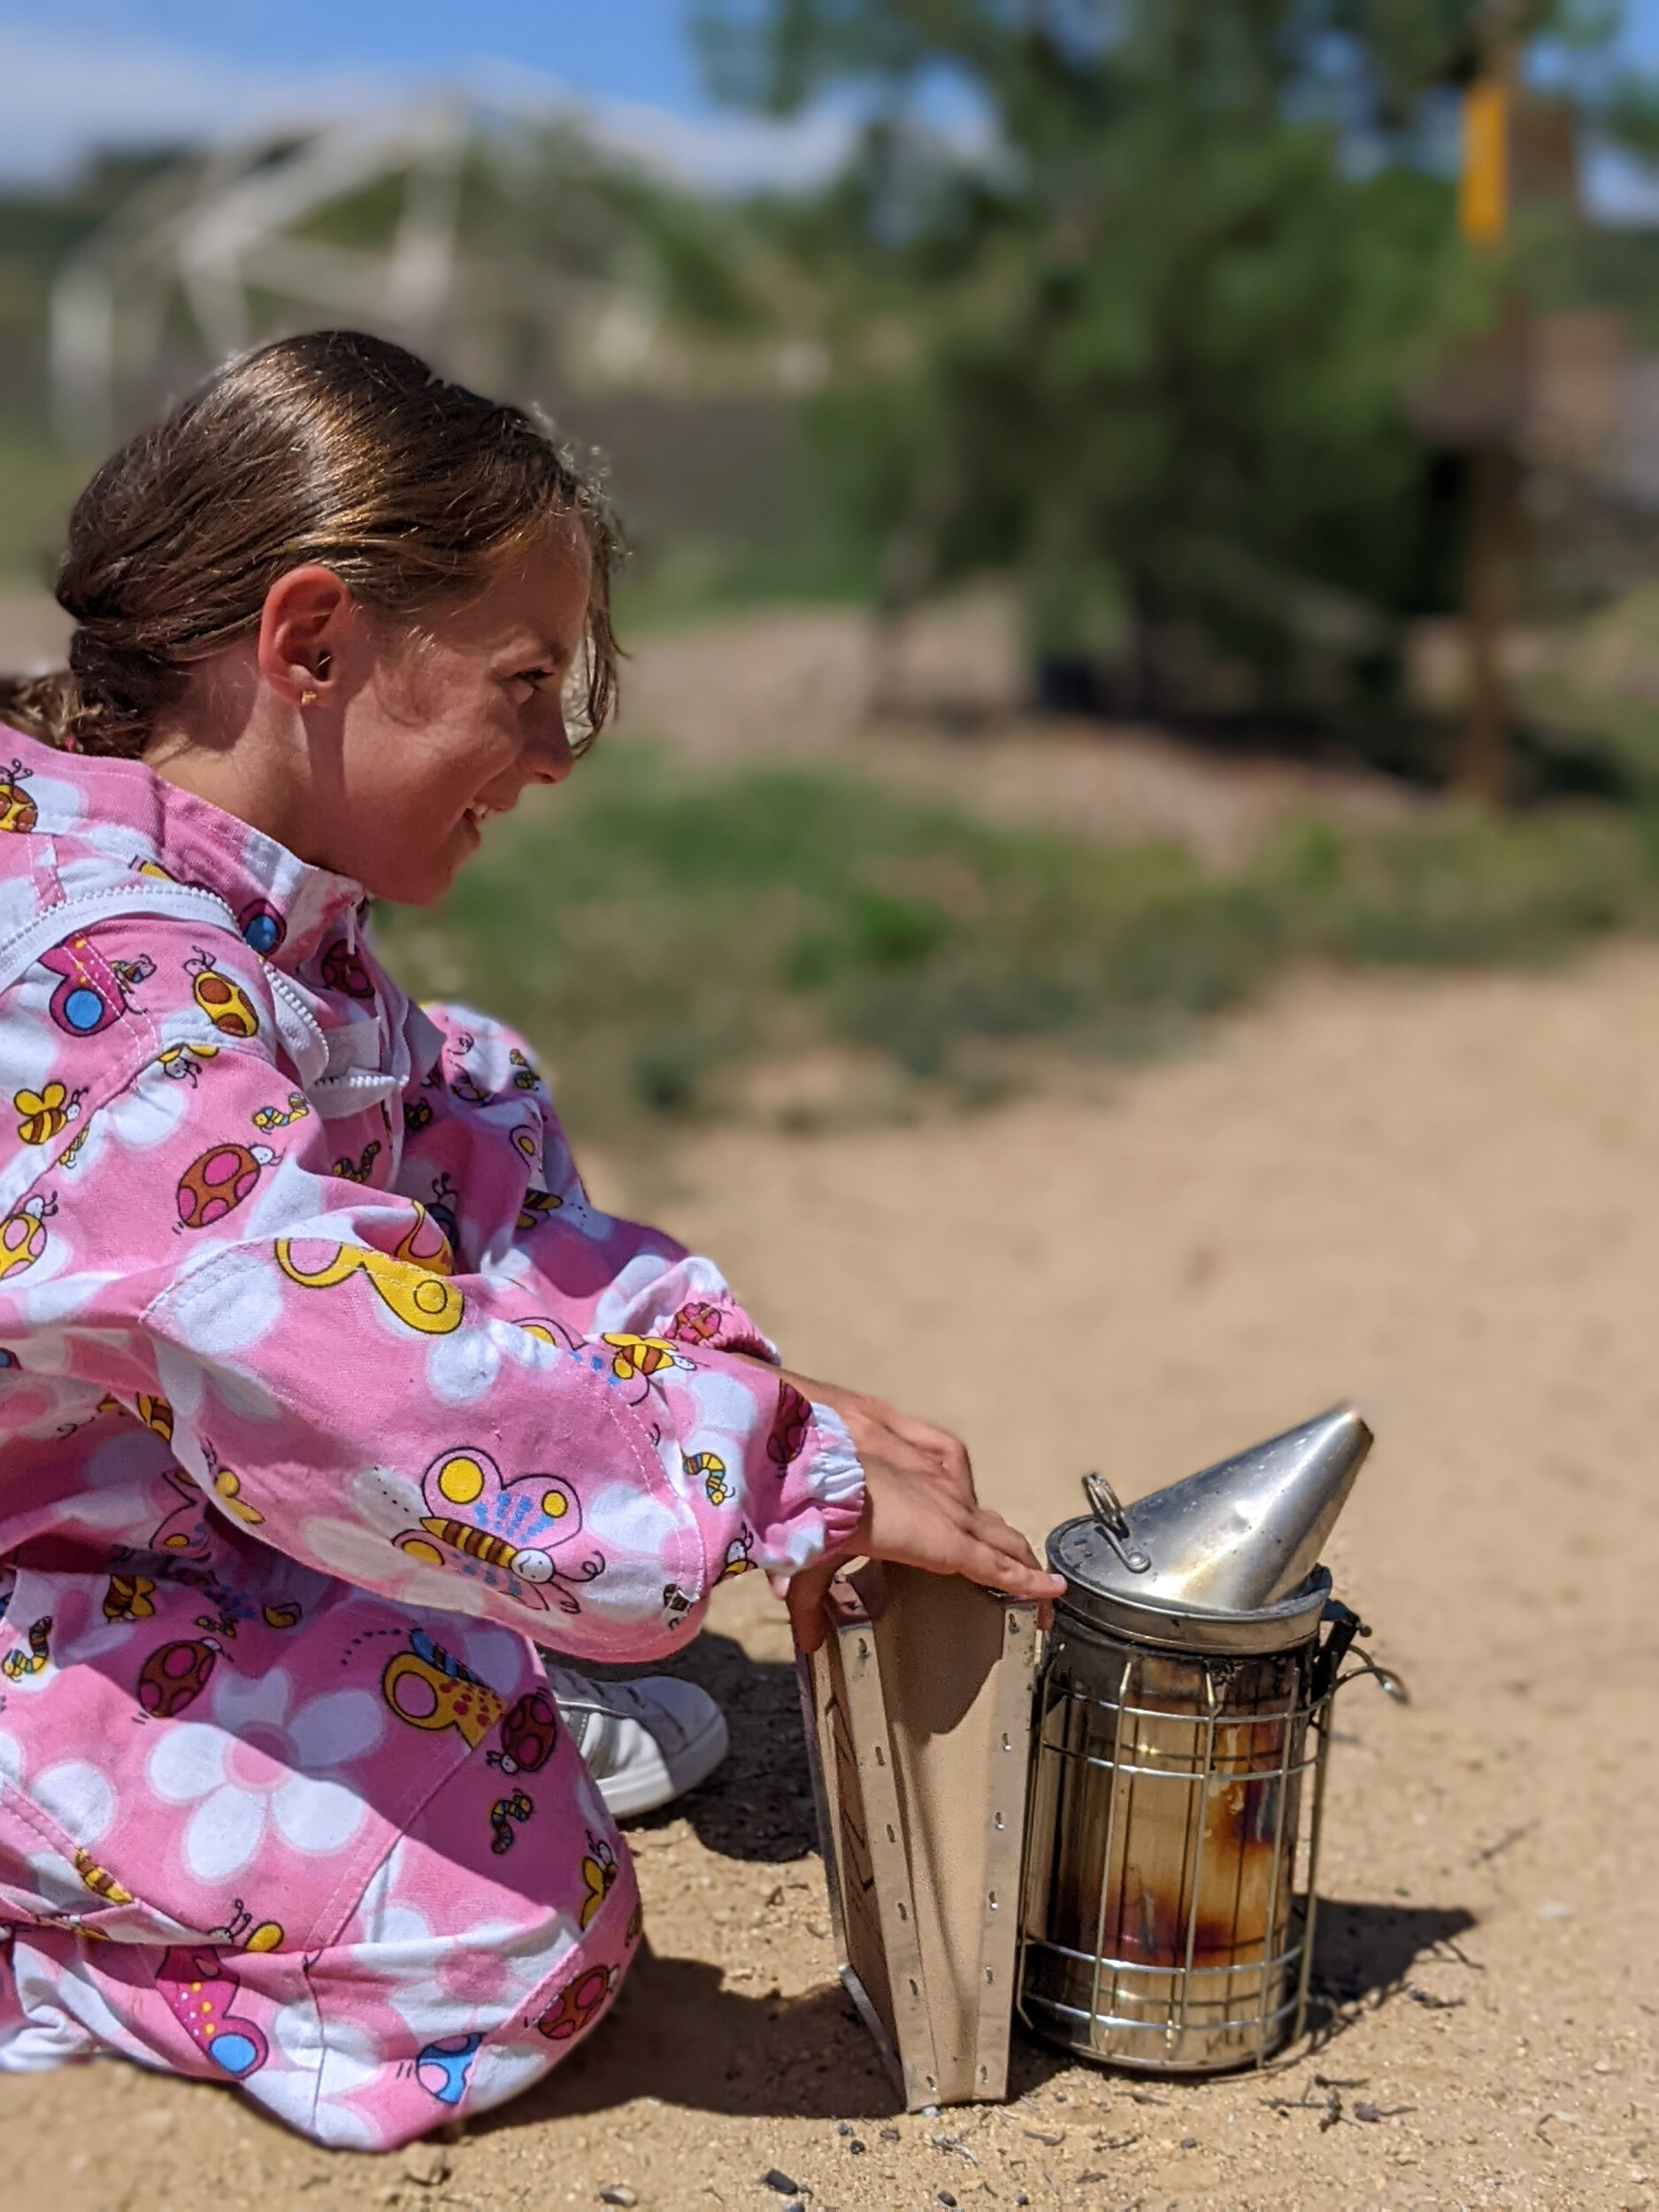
645,1742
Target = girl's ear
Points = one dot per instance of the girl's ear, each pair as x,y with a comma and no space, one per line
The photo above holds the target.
301,629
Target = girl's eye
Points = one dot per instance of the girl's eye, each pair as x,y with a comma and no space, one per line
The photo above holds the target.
534,677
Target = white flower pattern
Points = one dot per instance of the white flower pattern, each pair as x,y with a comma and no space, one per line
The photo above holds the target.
264,1765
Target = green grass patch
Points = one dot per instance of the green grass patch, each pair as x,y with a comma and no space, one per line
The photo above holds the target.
654,933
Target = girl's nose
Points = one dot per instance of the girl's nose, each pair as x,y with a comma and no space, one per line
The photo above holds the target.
552,758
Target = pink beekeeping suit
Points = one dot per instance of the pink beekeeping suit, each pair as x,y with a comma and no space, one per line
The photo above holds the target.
326,1399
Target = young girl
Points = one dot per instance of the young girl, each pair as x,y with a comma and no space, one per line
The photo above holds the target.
328,1400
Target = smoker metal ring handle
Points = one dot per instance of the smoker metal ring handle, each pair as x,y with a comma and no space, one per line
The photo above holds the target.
1113,1523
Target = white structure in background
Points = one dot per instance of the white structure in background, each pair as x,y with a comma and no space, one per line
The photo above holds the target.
224,241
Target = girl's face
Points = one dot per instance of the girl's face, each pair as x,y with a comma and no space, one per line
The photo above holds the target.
435,732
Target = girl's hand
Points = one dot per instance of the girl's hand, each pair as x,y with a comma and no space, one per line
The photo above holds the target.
919,1510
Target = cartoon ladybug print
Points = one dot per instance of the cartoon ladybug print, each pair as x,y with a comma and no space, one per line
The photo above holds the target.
217,1180
223,1000
578,2002
262,927
344,970
93,991
535,1207
23,1234
175,1676
505,1533
529,1731
17,811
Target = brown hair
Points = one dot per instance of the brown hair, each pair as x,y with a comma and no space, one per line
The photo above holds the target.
335,448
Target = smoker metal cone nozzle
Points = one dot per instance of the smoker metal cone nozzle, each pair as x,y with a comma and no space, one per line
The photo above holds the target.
1245,1533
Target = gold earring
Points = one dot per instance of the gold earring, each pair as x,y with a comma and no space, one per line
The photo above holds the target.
308,698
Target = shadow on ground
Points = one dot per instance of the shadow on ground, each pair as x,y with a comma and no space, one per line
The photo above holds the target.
758,1804
1364,1955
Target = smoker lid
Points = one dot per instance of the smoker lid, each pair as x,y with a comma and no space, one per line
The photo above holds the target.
1241,1540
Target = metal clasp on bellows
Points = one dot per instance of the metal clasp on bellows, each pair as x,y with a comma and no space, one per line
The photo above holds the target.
1113,1524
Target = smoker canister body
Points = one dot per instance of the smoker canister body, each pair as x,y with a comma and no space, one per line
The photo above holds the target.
1162,1924
1178,1760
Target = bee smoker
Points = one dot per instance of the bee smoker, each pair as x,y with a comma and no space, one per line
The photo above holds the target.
1182,1719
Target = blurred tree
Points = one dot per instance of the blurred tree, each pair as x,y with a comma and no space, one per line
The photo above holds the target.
1147,337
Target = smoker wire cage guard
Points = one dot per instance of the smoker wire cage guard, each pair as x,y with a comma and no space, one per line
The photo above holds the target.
1167,1915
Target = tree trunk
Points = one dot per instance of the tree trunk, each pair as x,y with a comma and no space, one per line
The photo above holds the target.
1490,560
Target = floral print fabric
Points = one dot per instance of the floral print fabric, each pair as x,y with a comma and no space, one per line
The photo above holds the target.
325,1396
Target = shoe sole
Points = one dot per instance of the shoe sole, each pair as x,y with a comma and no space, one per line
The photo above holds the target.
634,1792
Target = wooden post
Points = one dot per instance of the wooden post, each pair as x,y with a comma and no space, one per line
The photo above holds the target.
1494,513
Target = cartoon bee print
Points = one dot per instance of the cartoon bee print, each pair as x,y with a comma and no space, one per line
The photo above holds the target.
526,1078
262,927
217,1181
182,1063
156,1414
599,1877
184,1534
100,1881
790,1423
71,1151
223,1000
283,1614
246,1932
358,1170
44,1114
417,1114
19,1664
269,1118
129,1598
535,1207
503,1813
227,1489
23,1234
642,1356
17,811
505,1533
344,970
711,1468
94,992
739,1554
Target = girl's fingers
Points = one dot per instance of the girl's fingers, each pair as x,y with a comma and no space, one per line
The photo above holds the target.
805,1601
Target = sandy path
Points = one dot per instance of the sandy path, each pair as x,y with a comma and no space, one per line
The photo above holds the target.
1441,1196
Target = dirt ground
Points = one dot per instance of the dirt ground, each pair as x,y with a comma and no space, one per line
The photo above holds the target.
1442,1197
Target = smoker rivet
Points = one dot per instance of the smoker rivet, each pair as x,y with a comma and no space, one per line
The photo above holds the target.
997,1820
903,1911
863,1648
891,1837
1006,1745
880,1761
991,1901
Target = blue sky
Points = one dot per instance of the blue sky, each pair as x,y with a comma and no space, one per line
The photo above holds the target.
77,71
